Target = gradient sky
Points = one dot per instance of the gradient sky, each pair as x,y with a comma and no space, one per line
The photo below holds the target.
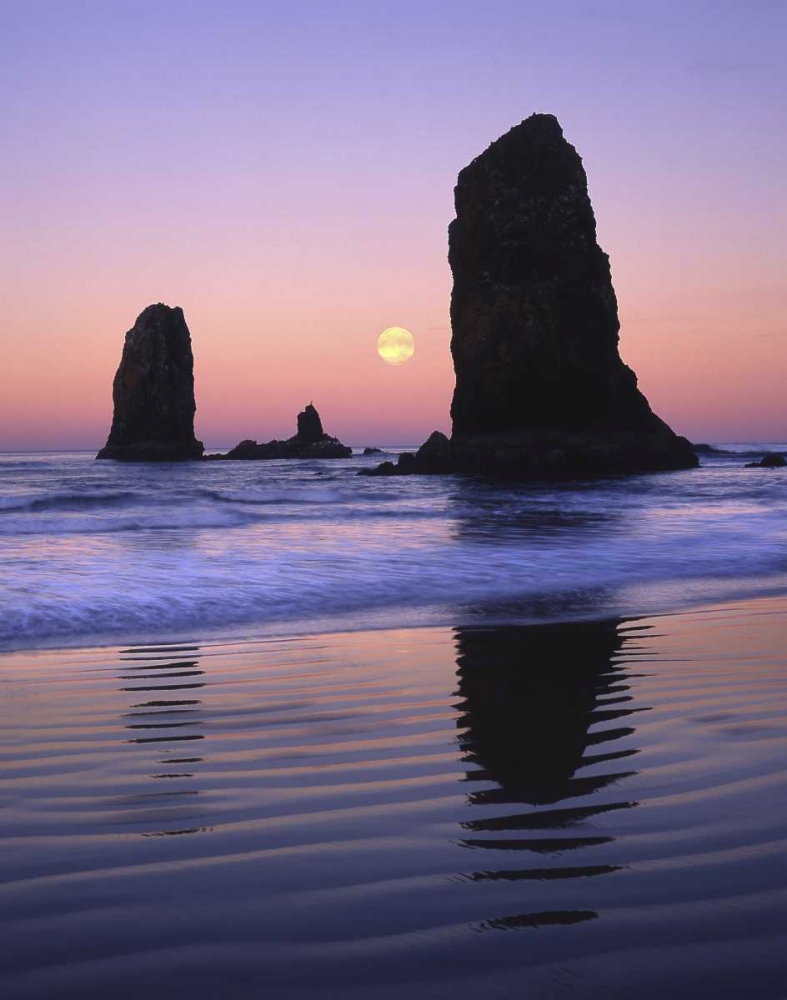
284,172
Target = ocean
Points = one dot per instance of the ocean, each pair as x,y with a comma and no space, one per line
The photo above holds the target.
96,552
274,729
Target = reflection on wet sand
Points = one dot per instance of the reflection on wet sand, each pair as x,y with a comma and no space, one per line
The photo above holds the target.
531,696
162,724
364,846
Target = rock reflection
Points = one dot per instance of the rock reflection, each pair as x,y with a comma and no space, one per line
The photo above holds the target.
161,725
530,698
545,919
491,514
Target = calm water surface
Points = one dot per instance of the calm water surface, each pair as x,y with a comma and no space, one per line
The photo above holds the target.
579,809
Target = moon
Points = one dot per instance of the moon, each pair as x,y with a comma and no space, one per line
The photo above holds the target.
395,345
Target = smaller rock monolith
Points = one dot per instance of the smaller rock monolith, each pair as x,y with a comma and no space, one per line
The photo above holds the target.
309,442
153,392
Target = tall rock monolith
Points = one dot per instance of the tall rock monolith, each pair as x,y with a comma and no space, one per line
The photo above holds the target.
540,385
153,392
541,390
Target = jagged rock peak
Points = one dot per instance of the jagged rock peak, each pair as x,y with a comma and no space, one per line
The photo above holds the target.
153,391
310,442
309,425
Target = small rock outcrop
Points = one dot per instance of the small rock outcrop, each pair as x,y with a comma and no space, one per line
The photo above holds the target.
434,457
541,390
153,392
771,460
309,442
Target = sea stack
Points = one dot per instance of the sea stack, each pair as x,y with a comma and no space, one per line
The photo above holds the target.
153,392
310,441
309,425
541,390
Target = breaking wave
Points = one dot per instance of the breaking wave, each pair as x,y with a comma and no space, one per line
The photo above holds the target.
102,550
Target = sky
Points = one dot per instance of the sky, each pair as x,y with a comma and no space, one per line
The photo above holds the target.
284,172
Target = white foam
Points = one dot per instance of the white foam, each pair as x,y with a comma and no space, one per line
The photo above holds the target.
102,549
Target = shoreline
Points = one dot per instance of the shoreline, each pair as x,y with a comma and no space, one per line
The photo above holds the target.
279,632
371,621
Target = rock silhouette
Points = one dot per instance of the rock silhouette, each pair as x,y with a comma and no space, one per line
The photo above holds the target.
309,425
309,442
531,695
541,389
153,392
770,460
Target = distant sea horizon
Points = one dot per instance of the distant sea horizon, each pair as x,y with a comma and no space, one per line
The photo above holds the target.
754,445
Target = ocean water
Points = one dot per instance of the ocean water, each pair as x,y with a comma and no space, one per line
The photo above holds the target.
96,552
315,736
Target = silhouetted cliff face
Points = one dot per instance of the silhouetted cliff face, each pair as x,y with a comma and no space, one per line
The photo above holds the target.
533,311
541,390
153,392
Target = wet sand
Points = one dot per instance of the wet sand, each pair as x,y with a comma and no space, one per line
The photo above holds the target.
584,809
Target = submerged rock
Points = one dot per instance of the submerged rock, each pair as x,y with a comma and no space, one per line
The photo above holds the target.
541,389
771,460
153,392
434,456
309,442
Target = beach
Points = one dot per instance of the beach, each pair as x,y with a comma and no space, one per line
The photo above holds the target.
592,808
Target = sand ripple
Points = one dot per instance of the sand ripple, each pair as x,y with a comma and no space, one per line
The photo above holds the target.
591,808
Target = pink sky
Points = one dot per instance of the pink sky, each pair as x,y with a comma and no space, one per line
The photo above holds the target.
288,182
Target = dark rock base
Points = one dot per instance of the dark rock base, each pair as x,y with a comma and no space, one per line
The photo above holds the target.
545,455
153,451
309,442
295,447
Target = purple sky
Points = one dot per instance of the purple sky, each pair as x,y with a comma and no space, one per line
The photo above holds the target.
284,171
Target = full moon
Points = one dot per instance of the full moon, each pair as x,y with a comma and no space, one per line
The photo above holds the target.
395,345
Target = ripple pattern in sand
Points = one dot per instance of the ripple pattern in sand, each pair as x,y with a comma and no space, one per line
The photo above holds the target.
542,811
